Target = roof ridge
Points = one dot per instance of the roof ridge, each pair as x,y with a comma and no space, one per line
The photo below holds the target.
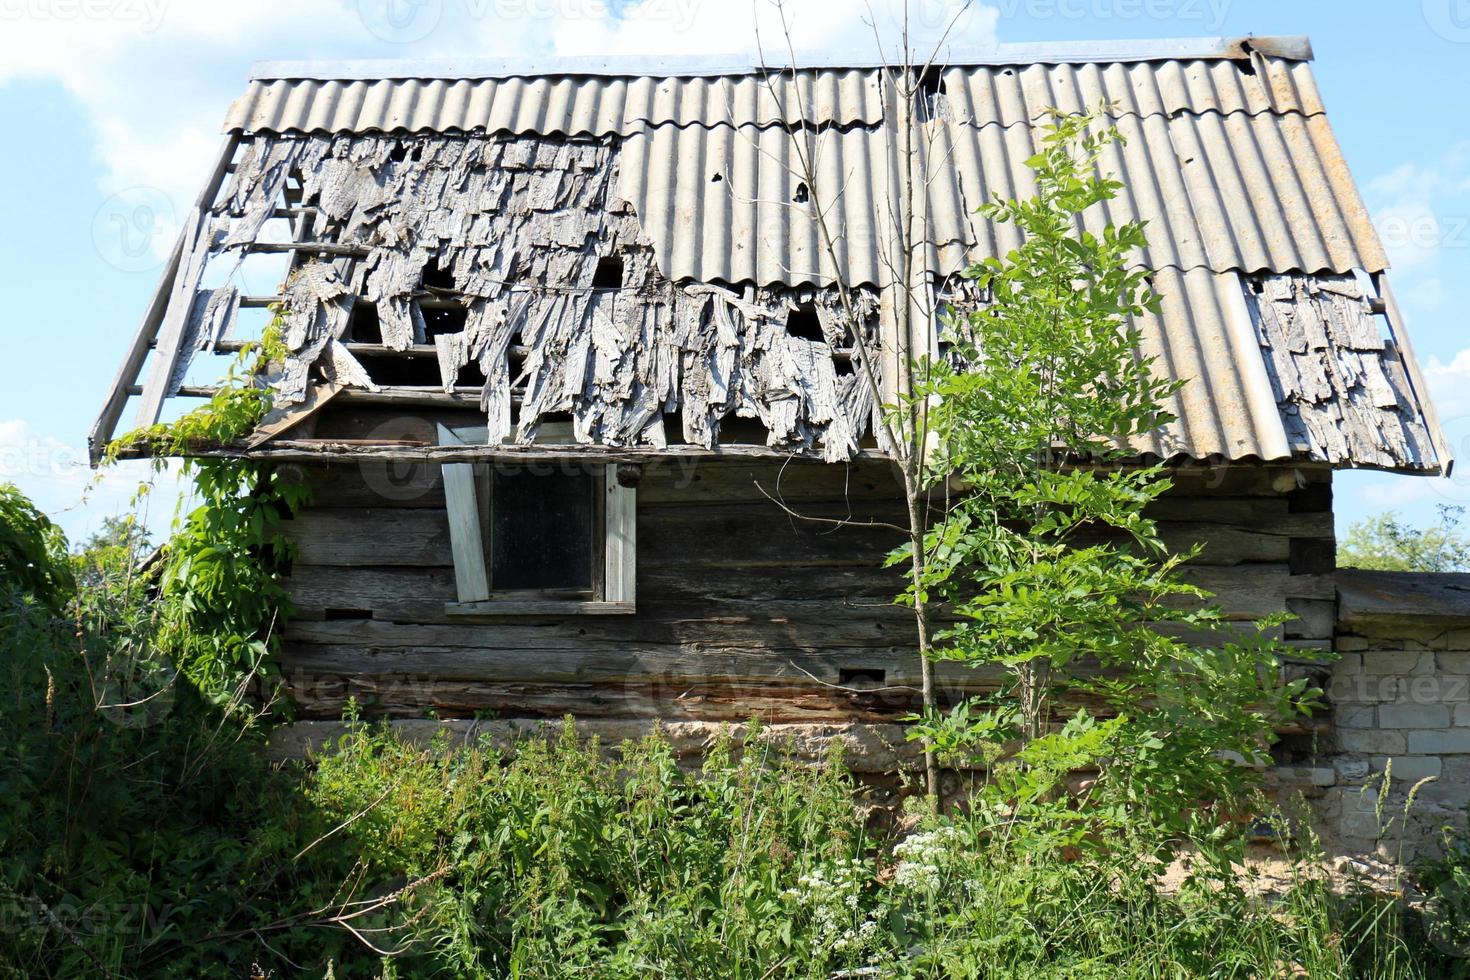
1290,47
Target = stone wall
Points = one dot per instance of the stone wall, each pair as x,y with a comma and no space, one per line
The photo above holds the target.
1400,707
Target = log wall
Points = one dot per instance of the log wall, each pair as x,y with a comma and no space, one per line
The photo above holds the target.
742,610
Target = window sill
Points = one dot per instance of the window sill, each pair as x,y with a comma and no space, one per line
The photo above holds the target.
540,607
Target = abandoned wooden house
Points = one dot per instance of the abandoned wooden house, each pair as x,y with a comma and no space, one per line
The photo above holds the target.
559,337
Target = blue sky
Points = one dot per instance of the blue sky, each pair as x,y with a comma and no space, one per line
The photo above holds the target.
111,110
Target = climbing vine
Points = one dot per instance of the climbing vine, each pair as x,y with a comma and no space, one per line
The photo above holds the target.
220,602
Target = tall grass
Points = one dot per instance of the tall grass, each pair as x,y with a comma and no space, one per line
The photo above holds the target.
145,836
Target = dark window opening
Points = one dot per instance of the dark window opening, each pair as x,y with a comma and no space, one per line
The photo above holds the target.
543,527
844,365
861,676
609,273
337,614
803,194
442,319
362,324
803,323
395,371
717,178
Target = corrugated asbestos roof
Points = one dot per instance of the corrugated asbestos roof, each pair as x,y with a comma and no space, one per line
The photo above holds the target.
1254,193
1228,157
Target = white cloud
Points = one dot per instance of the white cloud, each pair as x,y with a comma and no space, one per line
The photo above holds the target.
57,478
1420,210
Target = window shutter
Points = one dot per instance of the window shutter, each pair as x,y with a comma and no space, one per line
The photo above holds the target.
466,537
621,551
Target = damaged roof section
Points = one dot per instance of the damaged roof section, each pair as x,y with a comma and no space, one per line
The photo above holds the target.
456,229
483,256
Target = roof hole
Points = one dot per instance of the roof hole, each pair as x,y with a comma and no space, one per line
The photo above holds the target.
803,193
802,323
844,365
437,278
609,273
442,319
929,99
397,371
470,376
409,150
363,326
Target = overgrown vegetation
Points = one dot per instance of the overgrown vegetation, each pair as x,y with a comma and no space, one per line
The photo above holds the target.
1047,558
143,834
151,839
218,620
1385,543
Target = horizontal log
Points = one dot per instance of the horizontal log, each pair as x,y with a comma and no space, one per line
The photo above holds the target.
1374,601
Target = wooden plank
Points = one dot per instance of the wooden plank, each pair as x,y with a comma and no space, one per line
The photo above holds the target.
1442,446
192,259
466,537
496,607
371,537
1375,600
124,384
287,417
620,550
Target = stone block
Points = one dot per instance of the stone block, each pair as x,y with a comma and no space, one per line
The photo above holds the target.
1373,742
1355,716
1414,715
1361,824
1447,742
1391,663
1409,768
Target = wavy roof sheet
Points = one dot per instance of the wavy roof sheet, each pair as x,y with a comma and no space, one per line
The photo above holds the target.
1256,229
1229,155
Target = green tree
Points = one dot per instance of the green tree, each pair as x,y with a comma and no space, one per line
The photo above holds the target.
1385,543
1048,561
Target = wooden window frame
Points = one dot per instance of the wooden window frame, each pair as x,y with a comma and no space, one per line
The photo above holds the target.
466,499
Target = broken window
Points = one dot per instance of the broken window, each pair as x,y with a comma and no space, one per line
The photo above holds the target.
545,535
540,524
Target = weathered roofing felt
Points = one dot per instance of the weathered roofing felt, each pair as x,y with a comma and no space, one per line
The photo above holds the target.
517,181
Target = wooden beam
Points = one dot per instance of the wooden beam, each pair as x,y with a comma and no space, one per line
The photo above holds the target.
124,384
1400,332
194,249
308,450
